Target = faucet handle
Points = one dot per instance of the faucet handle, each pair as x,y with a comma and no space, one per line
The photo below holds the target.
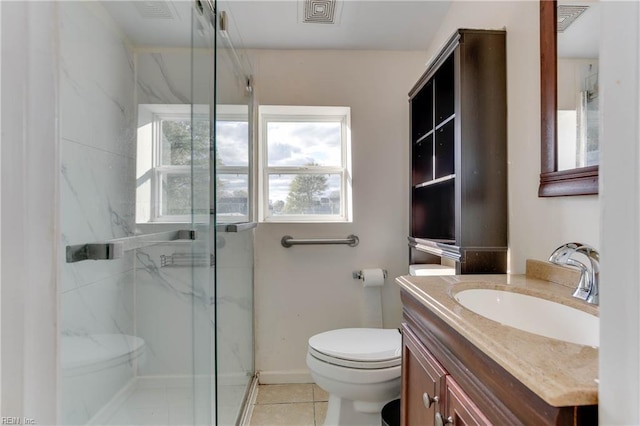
564,252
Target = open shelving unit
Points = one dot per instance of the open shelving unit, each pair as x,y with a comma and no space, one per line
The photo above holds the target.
458,156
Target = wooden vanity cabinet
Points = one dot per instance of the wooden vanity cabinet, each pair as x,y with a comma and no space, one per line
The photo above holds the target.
466,386
429,395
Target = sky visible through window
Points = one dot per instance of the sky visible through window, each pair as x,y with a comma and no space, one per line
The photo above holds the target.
232,143
298,144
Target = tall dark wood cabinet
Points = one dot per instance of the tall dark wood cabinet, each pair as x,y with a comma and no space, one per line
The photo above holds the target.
458,112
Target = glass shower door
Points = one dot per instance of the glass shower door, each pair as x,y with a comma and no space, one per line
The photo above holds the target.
136,297
234,229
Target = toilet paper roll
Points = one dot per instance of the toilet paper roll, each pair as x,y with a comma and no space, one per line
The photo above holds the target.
373,277
373,280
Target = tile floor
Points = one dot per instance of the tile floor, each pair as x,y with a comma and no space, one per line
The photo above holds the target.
289,405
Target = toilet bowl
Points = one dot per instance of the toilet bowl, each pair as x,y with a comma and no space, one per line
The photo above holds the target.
360,369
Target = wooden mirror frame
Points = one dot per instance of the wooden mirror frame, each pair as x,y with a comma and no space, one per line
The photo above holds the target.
554,183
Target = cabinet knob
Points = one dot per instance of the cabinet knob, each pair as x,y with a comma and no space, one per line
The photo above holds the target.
442,422
428,401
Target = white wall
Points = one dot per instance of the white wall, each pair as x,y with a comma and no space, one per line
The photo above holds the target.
620,182
304,290
536,225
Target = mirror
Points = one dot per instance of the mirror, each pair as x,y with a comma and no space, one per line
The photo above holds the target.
569,99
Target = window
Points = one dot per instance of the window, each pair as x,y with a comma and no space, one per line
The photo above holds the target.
305,161
233,203
172,163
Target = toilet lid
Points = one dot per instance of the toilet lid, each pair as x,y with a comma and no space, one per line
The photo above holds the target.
359,345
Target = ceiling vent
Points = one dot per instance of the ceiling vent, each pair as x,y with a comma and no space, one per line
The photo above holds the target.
319,12
567,14
153,9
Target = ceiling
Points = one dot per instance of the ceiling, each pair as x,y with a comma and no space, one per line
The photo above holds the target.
276,24
359,24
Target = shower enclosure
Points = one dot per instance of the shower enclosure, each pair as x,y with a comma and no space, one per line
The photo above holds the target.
155,294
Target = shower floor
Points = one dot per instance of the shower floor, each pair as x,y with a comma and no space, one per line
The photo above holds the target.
171,402
156,402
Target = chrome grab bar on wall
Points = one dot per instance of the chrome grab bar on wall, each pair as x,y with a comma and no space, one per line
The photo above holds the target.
114,249
288,241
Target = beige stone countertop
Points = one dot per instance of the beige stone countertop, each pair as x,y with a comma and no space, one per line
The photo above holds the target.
561,373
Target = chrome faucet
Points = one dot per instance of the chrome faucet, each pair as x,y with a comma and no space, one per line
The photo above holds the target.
588,286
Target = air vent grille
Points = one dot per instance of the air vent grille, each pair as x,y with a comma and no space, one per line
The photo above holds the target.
319,11
567,14
153,9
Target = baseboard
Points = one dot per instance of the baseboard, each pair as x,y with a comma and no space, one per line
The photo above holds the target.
284,377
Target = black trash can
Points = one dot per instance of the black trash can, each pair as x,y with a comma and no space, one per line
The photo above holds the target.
391,413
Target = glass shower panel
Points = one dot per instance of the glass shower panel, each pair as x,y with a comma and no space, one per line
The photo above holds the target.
234,232
136,105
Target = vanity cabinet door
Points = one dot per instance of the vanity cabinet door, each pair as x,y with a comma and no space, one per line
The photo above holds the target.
422,383
460,410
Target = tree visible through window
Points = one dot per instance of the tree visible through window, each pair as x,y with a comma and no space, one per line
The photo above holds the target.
172,163
304,191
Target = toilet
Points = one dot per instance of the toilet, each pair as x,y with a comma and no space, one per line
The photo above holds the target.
360,369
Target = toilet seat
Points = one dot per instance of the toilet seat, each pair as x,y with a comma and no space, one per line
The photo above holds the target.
360,348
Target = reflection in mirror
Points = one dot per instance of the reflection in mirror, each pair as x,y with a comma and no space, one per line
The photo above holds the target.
568,168
577,76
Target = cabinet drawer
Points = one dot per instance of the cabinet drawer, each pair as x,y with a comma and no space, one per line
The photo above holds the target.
422,382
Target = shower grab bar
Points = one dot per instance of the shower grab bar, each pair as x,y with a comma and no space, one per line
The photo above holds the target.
114,249
288,241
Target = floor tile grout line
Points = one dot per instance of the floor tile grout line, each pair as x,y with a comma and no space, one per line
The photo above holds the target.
314,414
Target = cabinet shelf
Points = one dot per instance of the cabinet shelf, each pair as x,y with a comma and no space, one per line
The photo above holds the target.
435,181
423,137
431,132
445,121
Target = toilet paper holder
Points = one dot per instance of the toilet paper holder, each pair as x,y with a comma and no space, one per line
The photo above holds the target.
357,275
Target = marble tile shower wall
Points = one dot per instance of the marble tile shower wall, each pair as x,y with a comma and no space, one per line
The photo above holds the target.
173,304
97,144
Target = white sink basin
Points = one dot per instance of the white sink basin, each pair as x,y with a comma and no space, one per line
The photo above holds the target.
533,314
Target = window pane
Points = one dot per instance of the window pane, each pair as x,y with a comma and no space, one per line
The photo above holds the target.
232,195
176,141
304,194
176,194
232,143
304,143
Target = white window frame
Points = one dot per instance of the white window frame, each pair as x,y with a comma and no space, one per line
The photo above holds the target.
149,160
281,113
234,113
